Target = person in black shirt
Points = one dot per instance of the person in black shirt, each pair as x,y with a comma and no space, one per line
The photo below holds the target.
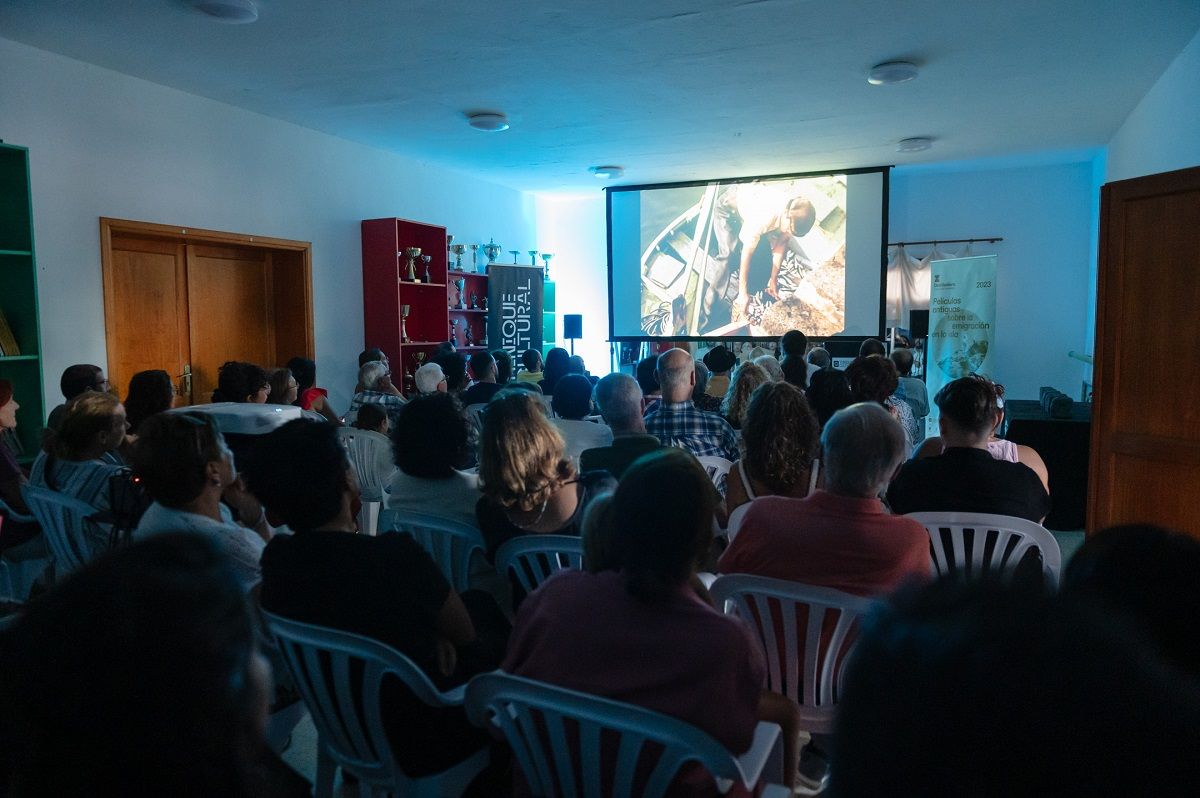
965,477
483,366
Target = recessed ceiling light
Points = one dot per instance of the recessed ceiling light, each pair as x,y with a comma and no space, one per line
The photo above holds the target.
488,121
917,144
607,172
890,72
231,12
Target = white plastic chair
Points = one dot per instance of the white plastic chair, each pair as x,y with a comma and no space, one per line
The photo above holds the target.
451,543
65,521
806,664
718,470
533,558
348,716
974,544
556,736
371,455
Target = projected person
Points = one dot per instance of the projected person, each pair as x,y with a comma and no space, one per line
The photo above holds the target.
752,217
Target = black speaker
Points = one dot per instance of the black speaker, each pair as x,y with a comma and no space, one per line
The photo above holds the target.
572,325
918,321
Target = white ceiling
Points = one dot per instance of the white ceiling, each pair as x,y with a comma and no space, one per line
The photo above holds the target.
671,90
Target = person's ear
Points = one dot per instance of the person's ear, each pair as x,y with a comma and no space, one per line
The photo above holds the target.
212,473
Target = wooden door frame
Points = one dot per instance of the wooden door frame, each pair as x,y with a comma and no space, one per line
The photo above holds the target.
192,235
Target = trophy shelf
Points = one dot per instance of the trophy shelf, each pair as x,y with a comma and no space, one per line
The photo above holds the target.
467,310
421,285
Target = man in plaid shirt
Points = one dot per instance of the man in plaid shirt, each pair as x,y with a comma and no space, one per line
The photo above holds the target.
376,378
678,422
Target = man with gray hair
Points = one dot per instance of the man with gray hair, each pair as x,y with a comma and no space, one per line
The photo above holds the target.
678,422
376,379
620,400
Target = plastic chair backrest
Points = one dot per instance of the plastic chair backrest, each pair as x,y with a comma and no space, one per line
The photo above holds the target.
345,706
64,521
535,719
13,515
805,664
371,455
974,544
450,543
717,469
533,558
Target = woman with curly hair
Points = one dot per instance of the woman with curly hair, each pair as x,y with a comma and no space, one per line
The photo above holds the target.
779,450
874,378
529,485
737,398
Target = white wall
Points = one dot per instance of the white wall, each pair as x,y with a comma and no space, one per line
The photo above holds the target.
1162,133
105,144
1044,213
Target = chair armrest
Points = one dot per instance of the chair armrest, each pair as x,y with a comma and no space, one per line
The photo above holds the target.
764,760
455,695
707,578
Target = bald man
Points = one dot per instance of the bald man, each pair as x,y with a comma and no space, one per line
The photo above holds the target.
678,422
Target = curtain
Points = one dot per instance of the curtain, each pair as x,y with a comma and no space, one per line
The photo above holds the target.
908,279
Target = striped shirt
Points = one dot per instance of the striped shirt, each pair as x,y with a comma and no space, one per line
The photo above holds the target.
85,480
390,402
703,434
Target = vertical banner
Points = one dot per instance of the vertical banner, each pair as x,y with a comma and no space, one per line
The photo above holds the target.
514,308
962,322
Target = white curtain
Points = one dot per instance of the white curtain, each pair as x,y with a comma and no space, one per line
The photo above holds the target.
908,278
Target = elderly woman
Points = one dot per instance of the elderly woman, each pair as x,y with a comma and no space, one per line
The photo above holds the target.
74,460
187,469
747,377
529,485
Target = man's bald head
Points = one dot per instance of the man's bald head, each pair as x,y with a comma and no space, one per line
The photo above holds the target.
676,374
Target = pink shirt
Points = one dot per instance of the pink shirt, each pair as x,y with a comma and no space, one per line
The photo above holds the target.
826,540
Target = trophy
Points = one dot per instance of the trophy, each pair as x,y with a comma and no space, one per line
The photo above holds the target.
404,311
419,359
514,253
425,259
474,257
410,384
470,337
474,301
458,250
492,250
546,256
449,247
483,304
461,285
483,341
413,253
533,257
454,332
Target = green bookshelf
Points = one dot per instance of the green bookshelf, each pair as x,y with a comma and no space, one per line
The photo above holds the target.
18,299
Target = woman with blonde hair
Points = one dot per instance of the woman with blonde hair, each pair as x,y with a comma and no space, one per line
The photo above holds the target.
747,377
529,485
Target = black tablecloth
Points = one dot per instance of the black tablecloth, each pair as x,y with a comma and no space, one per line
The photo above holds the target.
1064,444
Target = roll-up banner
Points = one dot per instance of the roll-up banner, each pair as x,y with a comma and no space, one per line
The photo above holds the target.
515,308
962,322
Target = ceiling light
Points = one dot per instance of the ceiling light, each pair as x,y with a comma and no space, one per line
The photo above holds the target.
607,172
890,72
917,144
488,121
232,12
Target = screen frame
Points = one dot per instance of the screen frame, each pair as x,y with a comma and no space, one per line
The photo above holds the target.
884,170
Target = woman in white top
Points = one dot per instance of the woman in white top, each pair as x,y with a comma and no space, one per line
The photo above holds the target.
779,450
430,442
572,402
187,469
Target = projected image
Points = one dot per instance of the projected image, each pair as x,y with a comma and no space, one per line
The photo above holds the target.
755,258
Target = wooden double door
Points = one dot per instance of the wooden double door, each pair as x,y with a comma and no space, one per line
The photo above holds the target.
187,300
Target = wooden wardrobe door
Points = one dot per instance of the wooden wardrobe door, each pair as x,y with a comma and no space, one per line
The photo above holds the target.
229,312
146,310
1145,464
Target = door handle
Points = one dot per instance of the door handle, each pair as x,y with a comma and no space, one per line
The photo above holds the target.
187,381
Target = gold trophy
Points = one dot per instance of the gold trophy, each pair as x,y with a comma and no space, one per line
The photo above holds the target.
404,311
425,259
458,250
474,257
491,251
413,253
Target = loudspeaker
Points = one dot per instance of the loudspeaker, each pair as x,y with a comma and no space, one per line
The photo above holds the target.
918,321
572,325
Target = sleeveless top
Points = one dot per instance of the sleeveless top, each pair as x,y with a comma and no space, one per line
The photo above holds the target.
1001,449
734,524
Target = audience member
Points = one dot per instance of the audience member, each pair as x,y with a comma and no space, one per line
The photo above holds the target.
770,364
137,676
372,418
975,688
379,390
911,391
620,402
311,397
1149,575
779,450
793,342
445,348
430,379
828,393
795,369
646,374
720,362
187,469
284,388
840,536
575,365
677,421
431,442
531,362
368,355
819,357
745,380
555,369
13,533
75,380
398,597
150,393
484,367
874,378
504,367
700,395
965,477
241,382
660,646
872,346
529,485
571,403
454,368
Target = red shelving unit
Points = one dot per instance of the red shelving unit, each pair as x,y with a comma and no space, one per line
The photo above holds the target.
475,290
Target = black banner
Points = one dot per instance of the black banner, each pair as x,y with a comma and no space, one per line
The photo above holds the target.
514,308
